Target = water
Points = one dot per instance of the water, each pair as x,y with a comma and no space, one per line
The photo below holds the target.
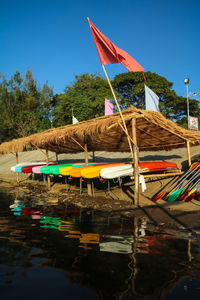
58,252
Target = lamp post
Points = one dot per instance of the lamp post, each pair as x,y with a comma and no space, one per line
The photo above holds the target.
186,81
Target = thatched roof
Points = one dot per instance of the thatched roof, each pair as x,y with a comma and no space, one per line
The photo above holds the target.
153,131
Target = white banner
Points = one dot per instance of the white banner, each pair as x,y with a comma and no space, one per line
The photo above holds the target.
193,123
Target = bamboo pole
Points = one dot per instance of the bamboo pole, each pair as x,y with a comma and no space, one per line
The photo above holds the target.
93,156
89,187
136,171
188,153
120,112
48,177
17,161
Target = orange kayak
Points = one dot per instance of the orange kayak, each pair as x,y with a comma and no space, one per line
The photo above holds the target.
76,172
90,172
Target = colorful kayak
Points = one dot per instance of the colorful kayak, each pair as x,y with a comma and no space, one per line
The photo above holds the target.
18,168
49,169
65,170
36,170
144,167
90,172
29,169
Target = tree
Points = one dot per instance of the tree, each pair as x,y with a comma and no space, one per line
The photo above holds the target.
130,90
25,109
85,97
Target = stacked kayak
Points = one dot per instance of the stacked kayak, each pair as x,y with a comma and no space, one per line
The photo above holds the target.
48,170
56,169
127,169
18,167
90,172
75,169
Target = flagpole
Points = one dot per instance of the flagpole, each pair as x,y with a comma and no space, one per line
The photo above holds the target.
120,112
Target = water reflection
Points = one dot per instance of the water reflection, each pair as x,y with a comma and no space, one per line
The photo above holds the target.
113,257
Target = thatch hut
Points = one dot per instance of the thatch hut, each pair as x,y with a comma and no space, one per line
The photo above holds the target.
146,131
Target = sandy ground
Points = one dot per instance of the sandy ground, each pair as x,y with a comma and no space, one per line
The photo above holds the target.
180,215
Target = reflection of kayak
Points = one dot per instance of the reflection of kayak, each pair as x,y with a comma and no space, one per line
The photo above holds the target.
94,171
144,167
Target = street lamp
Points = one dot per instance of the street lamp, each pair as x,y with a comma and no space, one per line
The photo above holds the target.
186,81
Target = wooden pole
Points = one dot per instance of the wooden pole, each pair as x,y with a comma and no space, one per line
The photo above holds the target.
120,112
136,171
56,157
17,161
188,153
89,187
93,156
48,177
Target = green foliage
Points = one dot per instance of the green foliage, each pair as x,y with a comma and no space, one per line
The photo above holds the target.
130,90
84,98
25,109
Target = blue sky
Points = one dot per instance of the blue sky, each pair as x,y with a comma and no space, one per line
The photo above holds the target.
53,38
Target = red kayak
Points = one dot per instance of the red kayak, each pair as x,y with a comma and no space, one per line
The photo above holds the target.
28,169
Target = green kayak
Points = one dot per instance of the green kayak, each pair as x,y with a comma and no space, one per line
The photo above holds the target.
53,169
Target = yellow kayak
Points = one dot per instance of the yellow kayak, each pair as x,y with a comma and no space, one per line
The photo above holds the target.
94,171
65,170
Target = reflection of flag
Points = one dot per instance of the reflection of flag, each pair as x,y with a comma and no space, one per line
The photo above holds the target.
108,107
74,120
151,99
110,54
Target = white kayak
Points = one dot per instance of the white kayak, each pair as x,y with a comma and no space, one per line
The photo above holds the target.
128,168
117,171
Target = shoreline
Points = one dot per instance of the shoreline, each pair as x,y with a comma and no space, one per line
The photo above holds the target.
161,214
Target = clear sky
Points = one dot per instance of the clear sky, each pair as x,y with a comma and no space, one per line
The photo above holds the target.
53,38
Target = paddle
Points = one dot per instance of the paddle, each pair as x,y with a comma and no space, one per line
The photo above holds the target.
192,191
175,194
179,185
182,178
186,192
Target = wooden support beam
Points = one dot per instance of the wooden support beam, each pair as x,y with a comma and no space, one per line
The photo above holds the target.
89,187
178,173
136,171
93,156
48,177
17,161
188,153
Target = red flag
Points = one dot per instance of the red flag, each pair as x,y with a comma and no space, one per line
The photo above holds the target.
110,54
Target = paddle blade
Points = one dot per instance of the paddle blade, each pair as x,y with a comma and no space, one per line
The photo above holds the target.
191,197
159,196
182,196
174,195
188,195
